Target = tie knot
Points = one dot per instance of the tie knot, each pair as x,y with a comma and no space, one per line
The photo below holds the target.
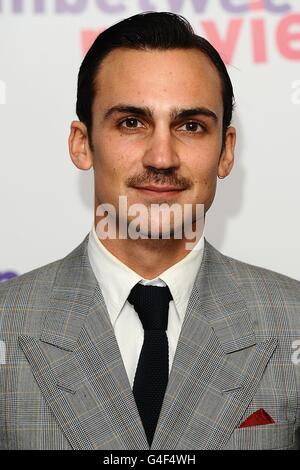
152,305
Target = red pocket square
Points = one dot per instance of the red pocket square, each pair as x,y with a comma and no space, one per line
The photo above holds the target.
257,418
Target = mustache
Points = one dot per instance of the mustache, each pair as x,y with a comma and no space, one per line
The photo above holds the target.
166,177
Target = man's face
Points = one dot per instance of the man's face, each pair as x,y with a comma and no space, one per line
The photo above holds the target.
157,124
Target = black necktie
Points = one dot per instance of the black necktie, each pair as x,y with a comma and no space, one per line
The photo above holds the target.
152,305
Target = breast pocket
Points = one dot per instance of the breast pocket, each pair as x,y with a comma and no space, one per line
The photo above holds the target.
268,436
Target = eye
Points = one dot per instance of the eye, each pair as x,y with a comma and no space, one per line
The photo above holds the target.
131,123
193,127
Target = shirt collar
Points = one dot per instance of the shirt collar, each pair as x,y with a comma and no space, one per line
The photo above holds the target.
116,279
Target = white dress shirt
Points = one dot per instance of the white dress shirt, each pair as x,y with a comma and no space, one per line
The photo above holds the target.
116,280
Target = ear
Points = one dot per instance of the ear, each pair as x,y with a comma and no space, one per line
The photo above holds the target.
227,156
79,149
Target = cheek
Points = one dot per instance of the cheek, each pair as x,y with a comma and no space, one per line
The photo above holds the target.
116,154
205,153
107,161
204,174
205,186
205,170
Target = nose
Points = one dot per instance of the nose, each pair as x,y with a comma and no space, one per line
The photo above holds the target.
160,152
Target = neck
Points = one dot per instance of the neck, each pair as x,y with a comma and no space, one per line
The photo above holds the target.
148,257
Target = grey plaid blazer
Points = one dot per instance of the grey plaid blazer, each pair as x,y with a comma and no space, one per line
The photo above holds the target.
64,385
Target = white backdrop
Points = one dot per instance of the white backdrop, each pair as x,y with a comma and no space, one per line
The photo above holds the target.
47,203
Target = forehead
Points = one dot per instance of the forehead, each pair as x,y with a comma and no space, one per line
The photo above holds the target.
158,78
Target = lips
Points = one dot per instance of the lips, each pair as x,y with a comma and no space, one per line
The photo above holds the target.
158,192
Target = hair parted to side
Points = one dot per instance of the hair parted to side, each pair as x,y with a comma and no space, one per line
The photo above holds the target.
146,31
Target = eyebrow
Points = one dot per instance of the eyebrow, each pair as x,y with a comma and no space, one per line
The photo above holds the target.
176,113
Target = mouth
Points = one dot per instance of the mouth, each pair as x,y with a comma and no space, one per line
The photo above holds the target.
162,191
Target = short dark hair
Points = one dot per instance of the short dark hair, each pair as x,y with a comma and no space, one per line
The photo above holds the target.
146,31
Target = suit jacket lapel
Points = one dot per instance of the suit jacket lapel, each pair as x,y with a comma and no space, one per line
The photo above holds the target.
78,366
77,363
217,365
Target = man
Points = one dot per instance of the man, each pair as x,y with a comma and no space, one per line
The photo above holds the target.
140,342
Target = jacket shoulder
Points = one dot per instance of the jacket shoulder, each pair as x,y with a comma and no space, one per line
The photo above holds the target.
22,290
250,273
31,291
25,300
255,281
